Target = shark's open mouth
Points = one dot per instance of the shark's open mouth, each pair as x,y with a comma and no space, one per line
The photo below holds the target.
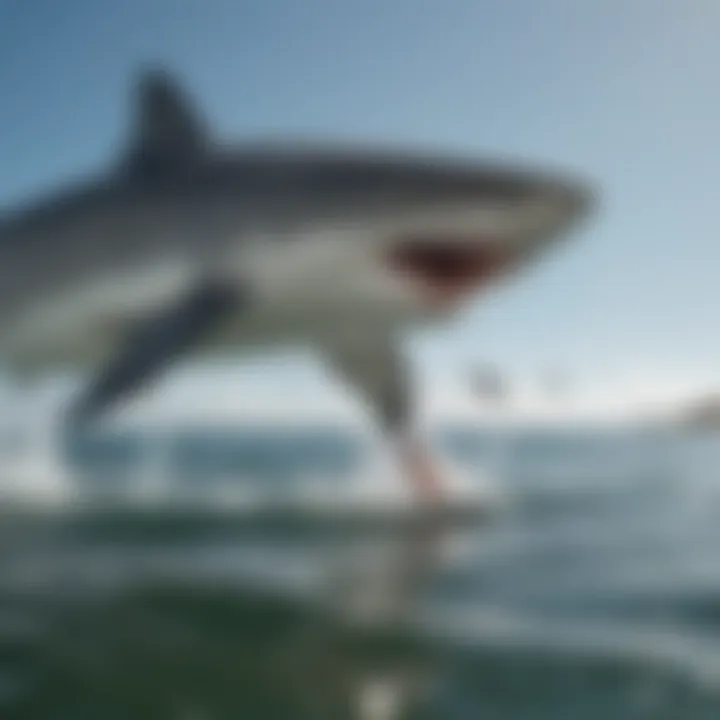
450,267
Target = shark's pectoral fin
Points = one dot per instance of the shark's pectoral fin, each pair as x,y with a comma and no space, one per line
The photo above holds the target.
374,366
152,346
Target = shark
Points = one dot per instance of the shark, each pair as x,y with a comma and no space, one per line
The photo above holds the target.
183,246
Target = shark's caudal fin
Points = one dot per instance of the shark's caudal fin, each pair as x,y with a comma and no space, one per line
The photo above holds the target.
166,132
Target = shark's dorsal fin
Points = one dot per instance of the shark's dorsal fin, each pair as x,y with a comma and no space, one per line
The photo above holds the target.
166,133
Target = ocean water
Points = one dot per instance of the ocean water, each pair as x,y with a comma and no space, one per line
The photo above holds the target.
591,591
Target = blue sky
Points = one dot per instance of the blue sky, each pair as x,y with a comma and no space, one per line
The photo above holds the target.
623,91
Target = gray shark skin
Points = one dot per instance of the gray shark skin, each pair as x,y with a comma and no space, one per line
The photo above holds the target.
320,243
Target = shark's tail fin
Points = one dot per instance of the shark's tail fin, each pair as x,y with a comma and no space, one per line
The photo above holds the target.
166,132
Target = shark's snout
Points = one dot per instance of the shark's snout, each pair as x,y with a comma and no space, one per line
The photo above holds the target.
455,248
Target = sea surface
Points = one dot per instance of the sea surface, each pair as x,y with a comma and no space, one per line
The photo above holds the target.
591,591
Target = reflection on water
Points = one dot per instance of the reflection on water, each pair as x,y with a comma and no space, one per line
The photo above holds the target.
593,599
106,617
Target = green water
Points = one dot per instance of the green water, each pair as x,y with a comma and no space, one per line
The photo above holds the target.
593,594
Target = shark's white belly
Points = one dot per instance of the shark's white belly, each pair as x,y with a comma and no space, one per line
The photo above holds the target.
299,290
